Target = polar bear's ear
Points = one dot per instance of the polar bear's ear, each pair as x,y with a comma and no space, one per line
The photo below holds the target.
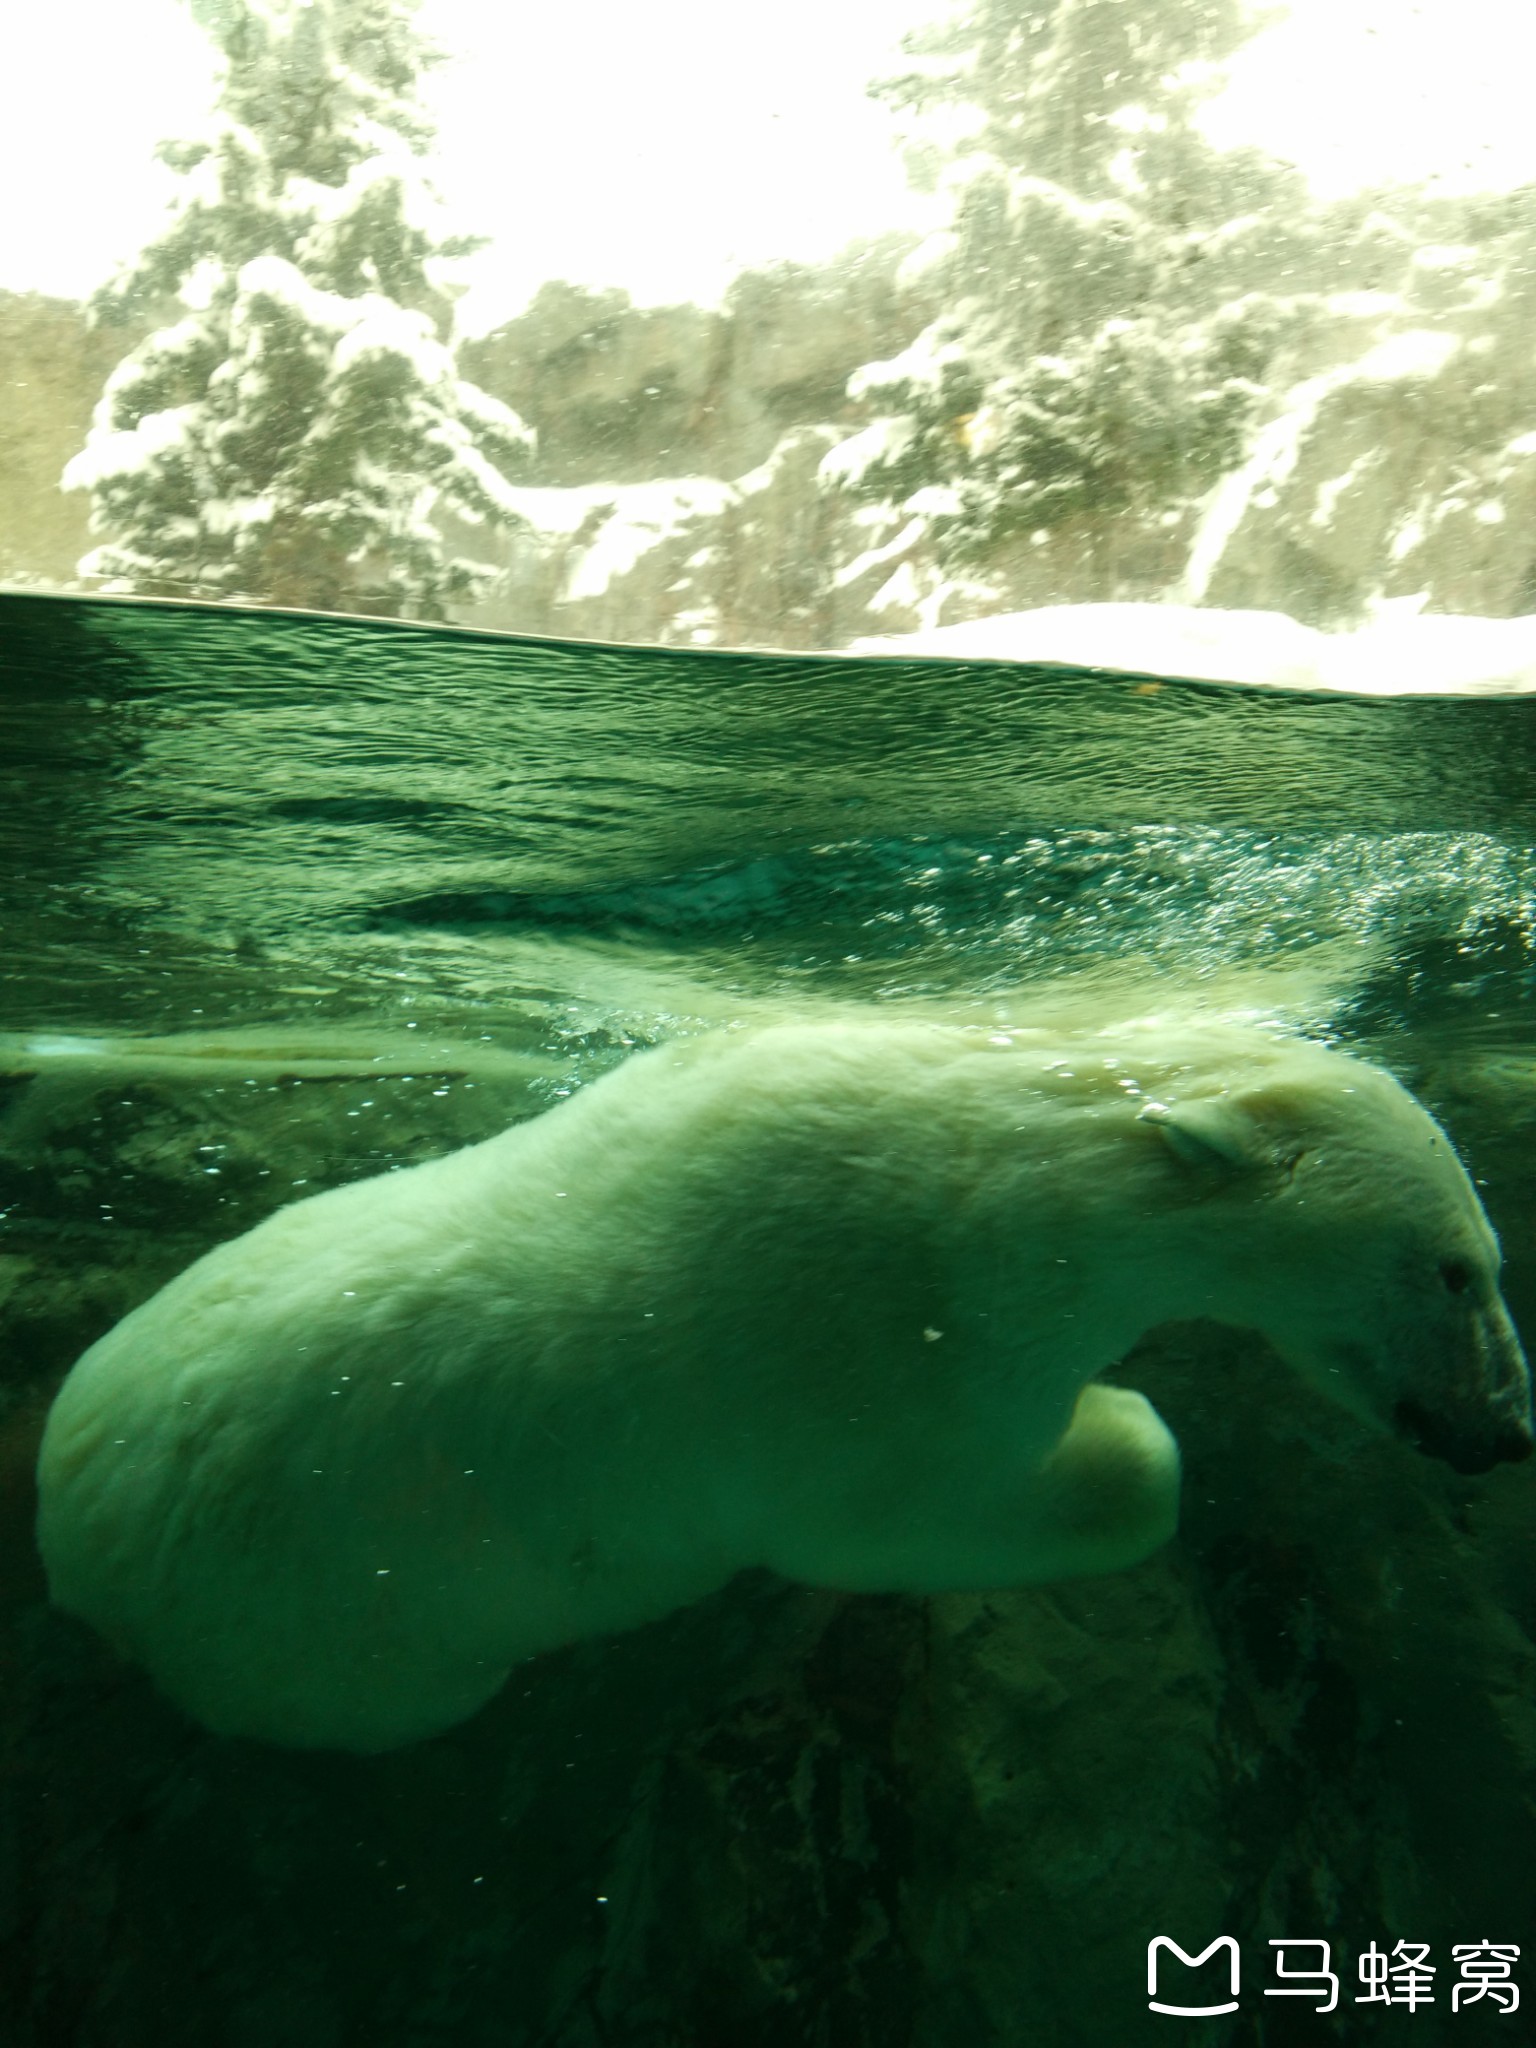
1211,1131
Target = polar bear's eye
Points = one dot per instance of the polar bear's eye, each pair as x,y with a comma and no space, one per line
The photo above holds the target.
1456,1275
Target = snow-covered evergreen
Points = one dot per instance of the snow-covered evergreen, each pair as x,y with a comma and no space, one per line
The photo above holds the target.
1107,334
294,433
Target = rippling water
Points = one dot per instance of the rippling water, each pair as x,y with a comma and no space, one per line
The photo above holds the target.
210,819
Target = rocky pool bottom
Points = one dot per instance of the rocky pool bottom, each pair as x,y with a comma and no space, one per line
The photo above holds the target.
782,1816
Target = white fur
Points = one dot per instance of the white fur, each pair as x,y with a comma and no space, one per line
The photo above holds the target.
825,1297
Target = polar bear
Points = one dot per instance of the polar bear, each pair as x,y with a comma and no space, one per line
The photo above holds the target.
827,1297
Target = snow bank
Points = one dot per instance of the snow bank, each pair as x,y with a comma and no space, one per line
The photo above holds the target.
642,517
1400,652
611,526
1416,356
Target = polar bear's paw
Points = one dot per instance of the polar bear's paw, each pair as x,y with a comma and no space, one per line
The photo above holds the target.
1108,1496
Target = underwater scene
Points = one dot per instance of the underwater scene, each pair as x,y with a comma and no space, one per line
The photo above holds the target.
754,1605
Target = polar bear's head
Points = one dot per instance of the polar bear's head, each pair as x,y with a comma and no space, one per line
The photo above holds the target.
1373,1267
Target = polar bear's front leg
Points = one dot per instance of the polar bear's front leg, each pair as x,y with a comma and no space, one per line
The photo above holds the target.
1108,1495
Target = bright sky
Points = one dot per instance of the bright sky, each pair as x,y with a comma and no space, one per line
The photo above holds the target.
666,145
1364,91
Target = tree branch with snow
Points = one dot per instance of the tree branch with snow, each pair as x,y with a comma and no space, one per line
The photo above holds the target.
296,432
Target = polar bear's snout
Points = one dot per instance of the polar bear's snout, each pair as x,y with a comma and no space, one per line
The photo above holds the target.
1464,1450
1482,1417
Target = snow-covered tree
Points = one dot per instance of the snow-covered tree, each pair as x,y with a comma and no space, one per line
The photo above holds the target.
1107,328
295,433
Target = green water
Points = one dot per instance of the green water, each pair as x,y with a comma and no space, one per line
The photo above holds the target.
286,901
268,819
